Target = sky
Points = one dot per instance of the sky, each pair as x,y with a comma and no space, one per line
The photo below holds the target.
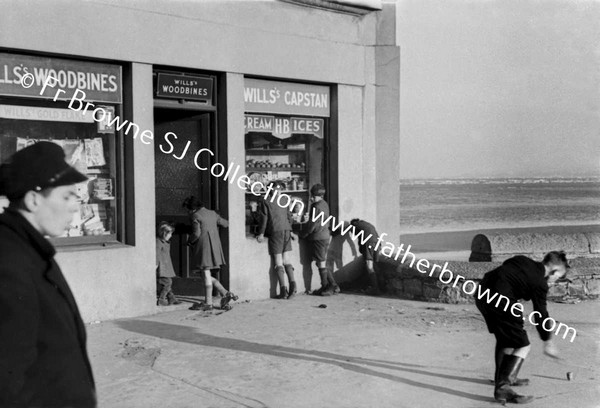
507,88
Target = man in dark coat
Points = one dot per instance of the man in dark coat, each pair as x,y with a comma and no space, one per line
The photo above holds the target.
518,278
44,361
366,235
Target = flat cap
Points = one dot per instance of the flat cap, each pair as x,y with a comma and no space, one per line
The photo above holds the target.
36,167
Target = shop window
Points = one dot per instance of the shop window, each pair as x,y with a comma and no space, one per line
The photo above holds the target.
41,99
89,146
292,153
286,125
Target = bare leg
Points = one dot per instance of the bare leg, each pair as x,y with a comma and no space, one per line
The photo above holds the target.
372,277
208,287
280,272
217,285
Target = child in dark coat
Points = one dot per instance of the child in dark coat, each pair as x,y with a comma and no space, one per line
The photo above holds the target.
518,278
208,252
164,265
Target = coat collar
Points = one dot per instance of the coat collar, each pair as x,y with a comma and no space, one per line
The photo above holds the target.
23,228
19,224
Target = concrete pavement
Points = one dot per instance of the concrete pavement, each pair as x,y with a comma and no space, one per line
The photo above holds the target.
359,351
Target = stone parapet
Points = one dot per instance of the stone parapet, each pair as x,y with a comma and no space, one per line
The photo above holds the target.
500,246
406,282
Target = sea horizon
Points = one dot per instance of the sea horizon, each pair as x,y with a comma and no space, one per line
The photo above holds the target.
470,204
499,179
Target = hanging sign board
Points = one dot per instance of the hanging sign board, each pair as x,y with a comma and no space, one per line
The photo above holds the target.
283,128
100,82
286,98
44,114
188,87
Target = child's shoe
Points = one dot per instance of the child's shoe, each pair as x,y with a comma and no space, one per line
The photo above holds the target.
173,299
328,291
162,302
197,306
293,290
229,296
283,293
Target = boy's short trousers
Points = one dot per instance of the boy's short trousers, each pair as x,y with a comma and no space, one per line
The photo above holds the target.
369,253
319,249
507,328
280,242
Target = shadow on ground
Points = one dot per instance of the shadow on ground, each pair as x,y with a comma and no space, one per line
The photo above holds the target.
190,335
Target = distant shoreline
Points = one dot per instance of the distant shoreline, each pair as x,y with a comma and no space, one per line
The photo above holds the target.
453,241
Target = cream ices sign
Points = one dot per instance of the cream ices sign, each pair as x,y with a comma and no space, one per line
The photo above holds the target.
286,98
283,127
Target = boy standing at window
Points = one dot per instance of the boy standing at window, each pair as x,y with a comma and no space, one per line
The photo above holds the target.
276,224
316,232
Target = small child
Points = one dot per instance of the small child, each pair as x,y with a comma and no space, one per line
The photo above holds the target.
164,265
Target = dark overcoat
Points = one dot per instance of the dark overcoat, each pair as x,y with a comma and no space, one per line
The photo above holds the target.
273,218
517,278
43,356
316,229
205,240
164,268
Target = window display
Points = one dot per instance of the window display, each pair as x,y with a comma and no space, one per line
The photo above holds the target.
285,133
294,158
89,147
36,104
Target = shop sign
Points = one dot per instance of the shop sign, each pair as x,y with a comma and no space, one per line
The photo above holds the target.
283,127
184,87
286,98
45,114
100,82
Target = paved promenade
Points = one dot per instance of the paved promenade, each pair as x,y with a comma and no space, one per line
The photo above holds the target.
359,352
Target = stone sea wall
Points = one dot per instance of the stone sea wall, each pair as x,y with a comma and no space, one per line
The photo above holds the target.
500,246
404,281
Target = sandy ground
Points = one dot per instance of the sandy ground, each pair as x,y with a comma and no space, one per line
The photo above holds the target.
359,351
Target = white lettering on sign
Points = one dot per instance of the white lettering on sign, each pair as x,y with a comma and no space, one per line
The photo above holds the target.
261,95
283,127
91,81
184,90
308,99
290,98
306,125
44,114
264,123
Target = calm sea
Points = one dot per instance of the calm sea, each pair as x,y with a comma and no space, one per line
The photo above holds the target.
469,204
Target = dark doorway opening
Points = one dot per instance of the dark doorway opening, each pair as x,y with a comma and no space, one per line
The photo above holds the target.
179,136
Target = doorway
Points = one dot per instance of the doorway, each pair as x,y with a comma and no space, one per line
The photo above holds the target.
182,133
